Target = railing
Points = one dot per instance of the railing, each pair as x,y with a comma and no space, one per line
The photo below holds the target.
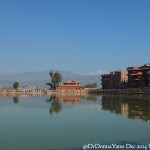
126,91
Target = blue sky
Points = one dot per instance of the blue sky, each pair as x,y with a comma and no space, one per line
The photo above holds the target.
74,35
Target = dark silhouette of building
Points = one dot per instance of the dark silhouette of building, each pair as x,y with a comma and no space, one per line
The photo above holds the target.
115,80
138,77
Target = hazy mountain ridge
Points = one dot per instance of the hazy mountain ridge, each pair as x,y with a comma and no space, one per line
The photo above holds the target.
40,78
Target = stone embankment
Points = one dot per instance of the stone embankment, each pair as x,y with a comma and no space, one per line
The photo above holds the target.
13,92
6,92
122,91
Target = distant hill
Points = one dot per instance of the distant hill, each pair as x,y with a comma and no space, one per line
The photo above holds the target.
40,78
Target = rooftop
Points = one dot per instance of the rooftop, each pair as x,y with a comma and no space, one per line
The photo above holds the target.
72,81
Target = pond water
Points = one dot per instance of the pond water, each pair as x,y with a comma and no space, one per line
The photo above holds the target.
68,122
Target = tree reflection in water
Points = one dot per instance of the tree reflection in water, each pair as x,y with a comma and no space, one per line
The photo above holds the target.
135,107
15,99
55,104
70,99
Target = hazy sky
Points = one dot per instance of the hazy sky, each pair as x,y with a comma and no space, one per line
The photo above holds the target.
74,35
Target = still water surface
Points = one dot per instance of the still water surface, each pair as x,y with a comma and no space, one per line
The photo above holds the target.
67,122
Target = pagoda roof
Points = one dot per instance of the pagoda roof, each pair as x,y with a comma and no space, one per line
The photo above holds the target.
72,81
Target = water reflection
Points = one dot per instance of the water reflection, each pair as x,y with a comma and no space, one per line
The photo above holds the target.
15,99
56,100
69,98
135,107
79,123
55,104
91,97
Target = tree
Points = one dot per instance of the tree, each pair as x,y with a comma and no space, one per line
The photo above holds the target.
56,78
49,84
16,85
91,85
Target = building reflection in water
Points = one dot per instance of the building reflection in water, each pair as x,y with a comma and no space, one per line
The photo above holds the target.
135,107
57,99
69,98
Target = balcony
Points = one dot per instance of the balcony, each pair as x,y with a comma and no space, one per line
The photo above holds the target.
135,74
133,68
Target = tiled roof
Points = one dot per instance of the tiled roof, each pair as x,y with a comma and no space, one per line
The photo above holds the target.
72,81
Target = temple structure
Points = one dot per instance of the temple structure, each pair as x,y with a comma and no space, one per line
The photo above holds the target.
70,85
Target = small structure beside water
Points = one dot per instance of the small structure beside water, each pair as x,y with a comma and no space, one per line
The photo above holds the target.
70,85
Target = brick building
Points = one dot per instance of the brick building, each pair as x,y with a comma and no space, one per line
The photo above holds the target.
144,82
134,76
138,77
149,78
115,80
108,81
70,85
121,79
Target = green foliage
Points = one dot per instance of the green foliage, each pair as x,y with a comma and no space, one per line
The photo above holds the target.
56,78
55,105
49,84
92,98
51,74
15,99
15,85
91,85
